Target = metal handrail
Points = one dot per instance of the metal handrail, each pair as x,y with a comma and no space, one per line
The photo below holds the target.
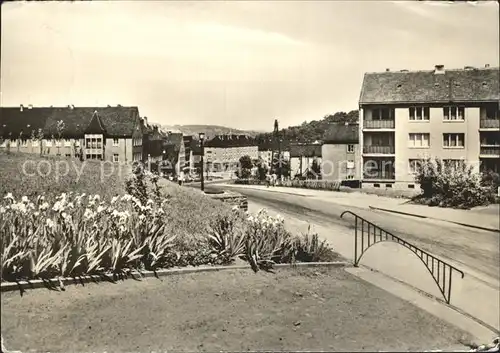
442,278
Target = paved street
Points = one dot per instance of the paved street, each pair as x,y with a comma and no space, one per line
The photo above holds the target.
476,252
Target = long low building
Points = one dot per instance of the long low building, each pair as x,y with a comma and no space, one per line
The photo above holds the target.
223,152
102,133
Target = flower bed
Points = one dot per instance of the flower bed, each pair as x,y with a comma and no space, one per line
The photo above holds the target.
76,234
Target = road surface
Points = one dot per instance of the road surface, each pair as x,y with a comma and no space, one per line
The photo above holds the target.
476,252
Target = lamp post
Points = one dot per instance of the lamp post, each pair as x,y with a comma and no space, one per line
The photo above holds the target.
201,135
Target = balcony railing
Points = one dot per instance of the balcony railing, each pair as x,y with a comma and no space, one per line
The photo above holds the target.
490,150
379,149
378,175
378,124
489,123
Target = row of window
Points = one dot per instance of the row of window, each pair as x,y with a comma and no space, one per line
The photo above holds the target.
450,140
414,164
453,113
59,143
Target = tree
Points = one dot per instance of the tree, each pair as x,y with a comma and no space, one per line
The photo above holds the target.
60,128
316,167
245,167
262,170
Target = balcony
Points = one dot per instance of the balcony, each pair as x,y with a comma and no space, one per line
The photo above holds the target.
379,175
373,149
378,124
489,123
490,151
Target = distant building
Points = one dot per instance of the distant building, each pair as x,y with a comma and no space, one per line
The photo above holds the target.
101,133
341,153
407,116
302,156
174,155
223,152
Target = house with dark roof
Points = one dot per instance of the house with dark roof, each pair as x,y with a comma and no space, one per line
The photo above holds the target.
174,155
223,152
302,157
407,116
104,133
341,153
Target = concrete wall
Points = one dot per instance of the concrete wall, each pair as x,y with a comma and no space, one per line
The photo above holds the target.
337,159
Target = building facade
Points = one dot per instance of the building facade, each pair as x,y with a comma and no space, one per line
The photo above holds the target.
341,153
408,116
101,133
223,152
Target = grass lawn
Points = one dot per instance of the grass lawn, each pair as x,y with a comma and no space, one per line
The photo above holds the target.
294,309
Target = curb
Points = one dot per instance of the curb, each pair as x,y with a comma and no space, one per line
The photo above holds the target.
108,277
438,219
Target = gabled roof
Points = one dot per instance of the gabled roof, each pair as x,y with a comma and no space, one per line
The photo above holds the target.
14,121
462,85
118,121
95,126
338,134
305,150
228,141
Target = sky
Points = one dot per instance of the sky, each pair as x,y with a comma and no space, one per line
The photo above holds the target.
239,64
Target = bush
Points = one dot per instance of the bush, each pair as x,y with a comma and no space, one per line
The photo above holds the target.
444,186
311,184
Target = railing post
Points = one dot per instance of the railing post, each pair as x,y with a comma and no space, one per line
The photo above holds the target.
356,241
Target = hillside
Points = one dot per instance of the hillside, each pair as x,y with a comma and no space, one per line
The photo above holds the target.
209,130
310,131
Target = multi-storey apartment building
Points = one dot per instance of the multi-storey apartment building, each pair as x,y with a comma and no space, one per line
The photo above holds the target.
406,116
341,153
223,152
103,133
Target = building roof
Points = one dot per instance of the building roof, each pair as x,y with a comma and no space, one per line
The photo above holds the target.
13,121
229,141
338,134
117,121
457,85
305,150
175,138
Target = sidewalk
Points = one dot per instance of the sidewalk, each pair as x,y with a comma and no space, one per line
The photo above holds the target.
485,218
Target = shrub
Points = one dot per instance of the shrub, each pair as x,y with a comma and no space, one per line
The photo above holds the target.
311,184
447,186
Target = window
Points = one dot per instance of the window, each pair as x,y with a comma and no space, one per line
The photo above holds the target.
67,142
492,111
4,143
35,143
454,113
419,113
452,164
48,143
414,165
454,140
383,114
350,164
24,142
350,148
68,155
116,142
116,158
58,143
381,139
419,140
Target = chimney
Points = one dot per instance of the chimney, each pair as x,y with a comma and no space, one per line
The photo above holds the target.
387,70
30,106
487,65
439,69
404,70
21,108
145,120
468,67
